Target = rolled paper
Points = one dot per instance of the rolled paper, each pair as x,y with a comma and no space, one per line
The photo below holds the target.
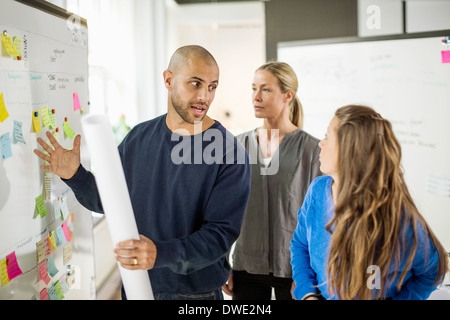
112,187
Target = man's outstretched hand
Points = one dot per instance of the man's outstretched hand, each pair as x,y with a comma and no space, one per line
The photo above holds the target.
61,162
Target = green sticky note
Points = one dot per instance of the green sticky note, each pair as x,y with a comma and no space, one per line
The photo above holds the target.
68,132
51,116
58,290
40,206
45,117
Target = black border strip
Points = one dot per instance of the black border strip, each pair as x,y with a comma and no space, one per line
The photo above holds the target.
53,10
441,33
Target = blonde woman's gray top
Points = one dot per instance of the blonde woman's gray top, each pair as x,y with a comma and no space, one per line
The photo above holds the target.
277,193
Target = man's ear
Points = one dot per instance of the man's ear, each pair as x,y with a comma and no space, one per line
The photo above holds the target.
168,78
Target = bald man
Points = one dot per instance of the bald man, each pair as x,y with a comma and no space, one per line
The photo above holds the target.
188,201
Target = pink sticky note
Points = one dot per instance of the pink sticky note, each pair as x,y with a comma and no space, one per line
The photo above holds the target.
43,274
12,267
44,294
76,102
445,56
66,231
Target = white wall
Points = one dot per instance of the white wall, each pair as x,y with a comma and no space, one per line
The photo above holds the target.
385,17
427,15
235,34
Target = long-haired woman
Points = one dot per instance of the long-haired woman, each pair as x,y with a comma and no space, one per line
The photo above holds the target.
359,233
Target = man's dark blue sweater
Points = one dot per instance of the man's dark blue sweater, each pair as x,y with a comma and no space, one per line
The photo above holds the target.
192,210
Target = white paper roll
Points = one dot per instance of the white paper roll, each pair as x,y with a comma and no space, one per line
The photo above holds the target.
112,187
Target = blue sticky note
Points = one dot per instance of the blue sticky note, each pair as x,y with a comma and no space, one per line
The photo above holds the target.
17,133
5,142
60,237
51,268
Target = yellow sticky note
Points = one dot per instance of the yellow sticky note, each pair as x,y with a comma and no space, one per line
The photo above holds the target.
45,117
17,41
9,45
4,273
3,112
51,237
36,122
68,132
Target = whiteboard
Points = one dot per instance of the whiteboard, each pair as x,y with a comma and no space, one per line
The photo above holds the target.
408,82
53,66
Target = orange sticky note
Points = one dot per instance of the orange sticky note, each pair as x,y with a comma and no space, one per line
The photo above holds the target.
3,112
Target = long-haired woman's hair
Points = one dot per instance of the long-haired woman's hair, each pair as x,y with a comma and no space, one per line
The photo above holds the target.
373,208
287,80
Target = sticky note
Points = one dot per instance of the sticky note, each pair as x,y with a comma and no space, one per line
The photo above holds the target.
445,56
44,294
67,253
52,292
51,268
47,185
76,102
60,237
51,117
68,132
48,247
63,282
45,117
17,133
51,238
70,228
58,290
12,266
17,41
4,273
63,208
40,251
66,231
43,274
40,206
9,45
3,112
36,121
5,142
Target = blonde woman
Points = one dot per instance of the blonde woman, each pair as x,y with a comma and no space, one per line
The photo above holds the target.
284,161
359,233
